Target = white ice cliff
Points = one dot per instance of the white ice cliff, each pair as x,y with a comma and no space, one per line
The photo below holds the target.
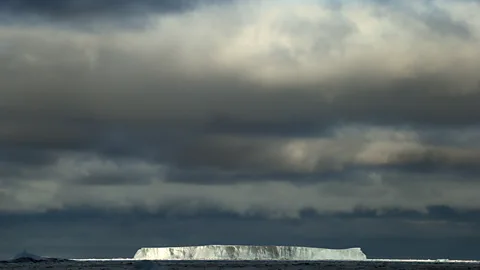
238,252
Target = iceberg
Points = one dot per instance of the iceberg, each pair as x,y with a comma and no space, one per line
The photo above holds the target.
243,252
24,255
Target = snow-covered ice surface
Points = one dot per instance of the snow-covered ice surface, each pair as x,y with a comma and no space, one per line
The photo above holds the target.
242,265
243,252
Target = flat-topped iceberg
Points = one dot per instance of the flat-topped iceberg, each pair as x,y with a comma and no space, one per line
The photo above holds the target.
241,252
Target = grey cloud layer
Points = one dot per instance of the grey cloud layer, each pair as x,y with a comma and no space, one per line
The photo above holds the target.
332,107
73,10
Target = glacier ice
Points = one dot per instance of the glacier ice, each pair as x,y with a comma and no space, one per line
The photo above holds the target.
243,252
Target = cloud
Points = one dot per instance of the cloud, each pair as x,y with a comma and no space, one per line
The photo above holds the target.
246,107
128,185
349,147
80,11
233,72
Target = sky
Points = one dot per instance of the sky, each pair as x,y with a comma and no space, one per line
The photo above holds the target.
335,124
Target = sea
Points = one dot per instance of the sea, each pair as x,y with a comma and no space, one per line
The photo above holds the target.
239,265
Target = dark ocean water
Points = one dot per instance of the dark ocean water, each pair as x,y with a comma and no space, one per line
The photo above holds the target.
153,265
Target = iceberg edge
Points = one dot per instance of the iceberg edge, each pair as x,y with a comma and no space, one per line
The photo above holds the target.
246,252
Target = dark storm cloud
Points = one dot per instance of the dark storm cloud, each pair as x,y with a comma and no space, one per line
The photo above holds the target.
331,108
416,102
308,113
181,143
226,177
106,180
270,156
440,160
74,9
24,156
423,101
